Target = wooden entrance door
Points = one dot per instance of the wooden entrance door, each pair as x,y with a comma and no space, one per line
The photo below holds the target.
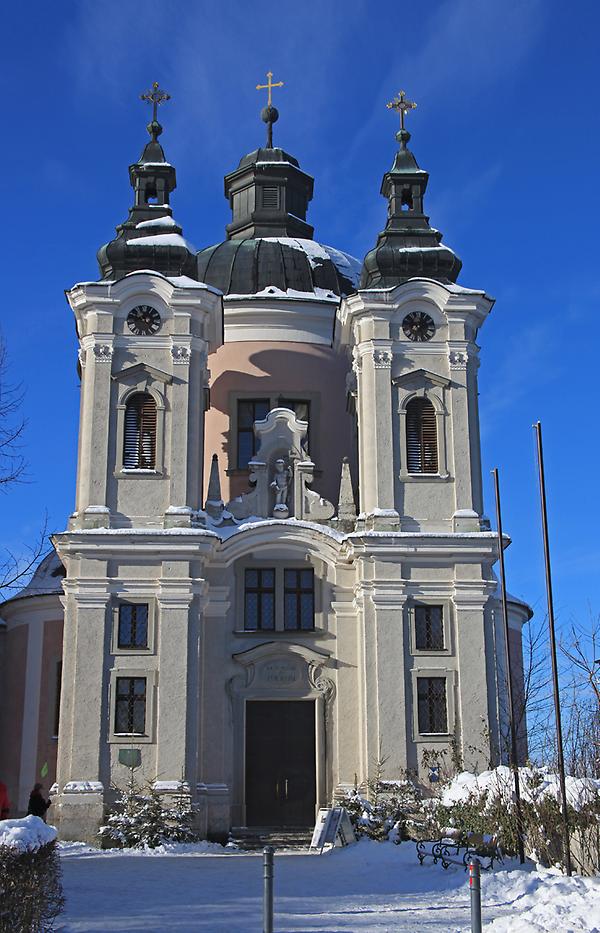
280,763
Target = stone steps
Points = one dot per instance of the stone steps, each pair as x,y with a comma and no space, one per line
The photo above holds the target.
254,838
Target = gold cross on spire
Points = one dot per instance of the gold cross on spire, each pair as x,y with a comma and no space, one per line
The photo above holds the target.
402,106
155,97
269,86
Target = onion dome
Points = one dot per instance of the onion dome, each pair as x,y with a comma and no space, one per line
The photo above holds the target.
269,248
408,247
150,238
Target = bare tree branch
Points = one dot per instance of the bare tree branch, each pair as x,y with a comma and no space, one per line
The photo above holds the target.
12,462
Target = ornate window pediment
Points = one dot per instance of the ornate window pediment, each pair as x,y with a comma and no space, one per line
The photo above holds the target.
133,374
420,377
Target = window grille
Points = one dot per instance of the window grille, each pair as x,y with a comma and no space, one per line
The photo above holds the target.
431,705
249,411
130,706
133,625
301,408
421,437
139,443
299,599
270,198
429,628
259,599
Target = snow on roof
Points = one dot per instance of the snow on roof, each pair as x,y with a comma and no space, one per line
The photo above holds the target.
47,578
26,835
165,221
317,252
322,294
162,239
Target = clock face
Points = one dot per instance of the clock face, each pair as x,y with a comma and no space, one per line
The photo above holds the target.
144,320
418,326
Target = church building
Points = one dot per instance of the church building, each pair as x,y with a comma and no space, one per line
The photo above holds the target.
278,571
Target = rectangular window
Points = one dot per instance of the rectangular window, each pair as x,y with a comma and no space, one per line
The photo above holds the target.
432,707
429,628
299,599
57,686
301,409
130,706
259,599
248,411
133,626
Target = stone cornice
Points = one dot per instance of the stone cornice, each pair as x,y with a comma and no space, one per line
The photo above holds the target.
387,301
482,544
111,543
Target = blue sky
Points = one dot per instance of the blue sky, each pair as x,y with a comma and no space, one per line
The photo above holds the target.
506,126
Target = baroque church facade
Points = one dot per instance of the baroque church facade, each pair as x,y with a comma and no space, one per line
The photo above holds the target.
278,570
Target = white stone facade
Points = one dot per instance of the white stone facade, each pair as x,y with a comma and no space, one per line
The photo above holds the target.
144,538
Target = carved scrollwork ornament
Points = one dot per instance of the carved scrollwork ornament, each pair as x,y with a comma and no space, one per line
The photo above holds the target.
458,359
181,355
103,352
323,684
382,359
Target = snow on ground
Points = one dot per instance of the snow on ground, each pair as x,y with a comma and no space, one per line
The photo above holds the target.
374,887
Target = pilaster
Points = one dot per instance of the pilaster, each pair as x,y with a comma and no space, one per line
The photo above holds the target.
96,356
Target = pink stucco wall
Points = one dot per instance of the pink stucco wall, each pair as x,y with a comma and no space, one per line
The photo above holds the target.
47,742
11,709
263,369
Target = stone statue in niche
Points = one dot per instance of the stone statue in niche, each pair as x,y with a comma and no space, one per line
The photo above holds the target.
282,477
281,473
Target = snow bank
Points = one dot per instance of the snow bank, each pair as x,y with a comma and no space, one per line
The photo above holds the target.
535,784
26,835
547,901
367,888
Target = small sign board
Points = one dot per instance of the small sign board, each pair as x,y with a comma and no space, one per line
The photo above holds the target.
130,757
333,827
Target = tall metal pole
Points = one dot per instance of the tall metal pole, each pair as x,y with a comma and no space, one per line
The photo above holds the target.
559,738
509,679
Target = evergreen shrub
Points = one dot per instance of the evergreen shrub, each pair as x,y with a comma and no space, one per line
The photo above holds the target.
31,895
141,819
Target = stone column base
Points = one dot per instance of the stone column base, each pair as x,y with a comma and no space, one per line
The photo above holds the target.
214,809
78,815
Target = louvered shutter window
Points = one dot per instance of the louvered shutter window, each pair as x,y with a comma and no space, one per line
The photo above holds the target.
139,448
271,198
421,437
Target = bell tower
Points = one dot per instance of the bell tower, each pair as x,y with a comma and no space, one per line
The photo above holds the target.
145,331
412,331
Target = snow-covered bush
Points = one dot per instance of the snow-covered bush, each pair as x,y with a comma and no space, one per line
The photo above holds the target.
485,804
140,819
31,895
387,810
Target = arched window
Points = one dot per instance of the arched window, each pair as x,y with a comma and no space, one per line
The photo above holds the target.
139,444
421,437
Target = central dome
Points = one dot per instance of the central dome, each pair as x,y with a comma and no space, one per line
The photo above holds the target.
273,265
269,248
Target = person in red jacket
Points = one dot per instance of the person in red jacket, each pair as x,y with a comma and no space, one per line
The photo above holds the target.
4,802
